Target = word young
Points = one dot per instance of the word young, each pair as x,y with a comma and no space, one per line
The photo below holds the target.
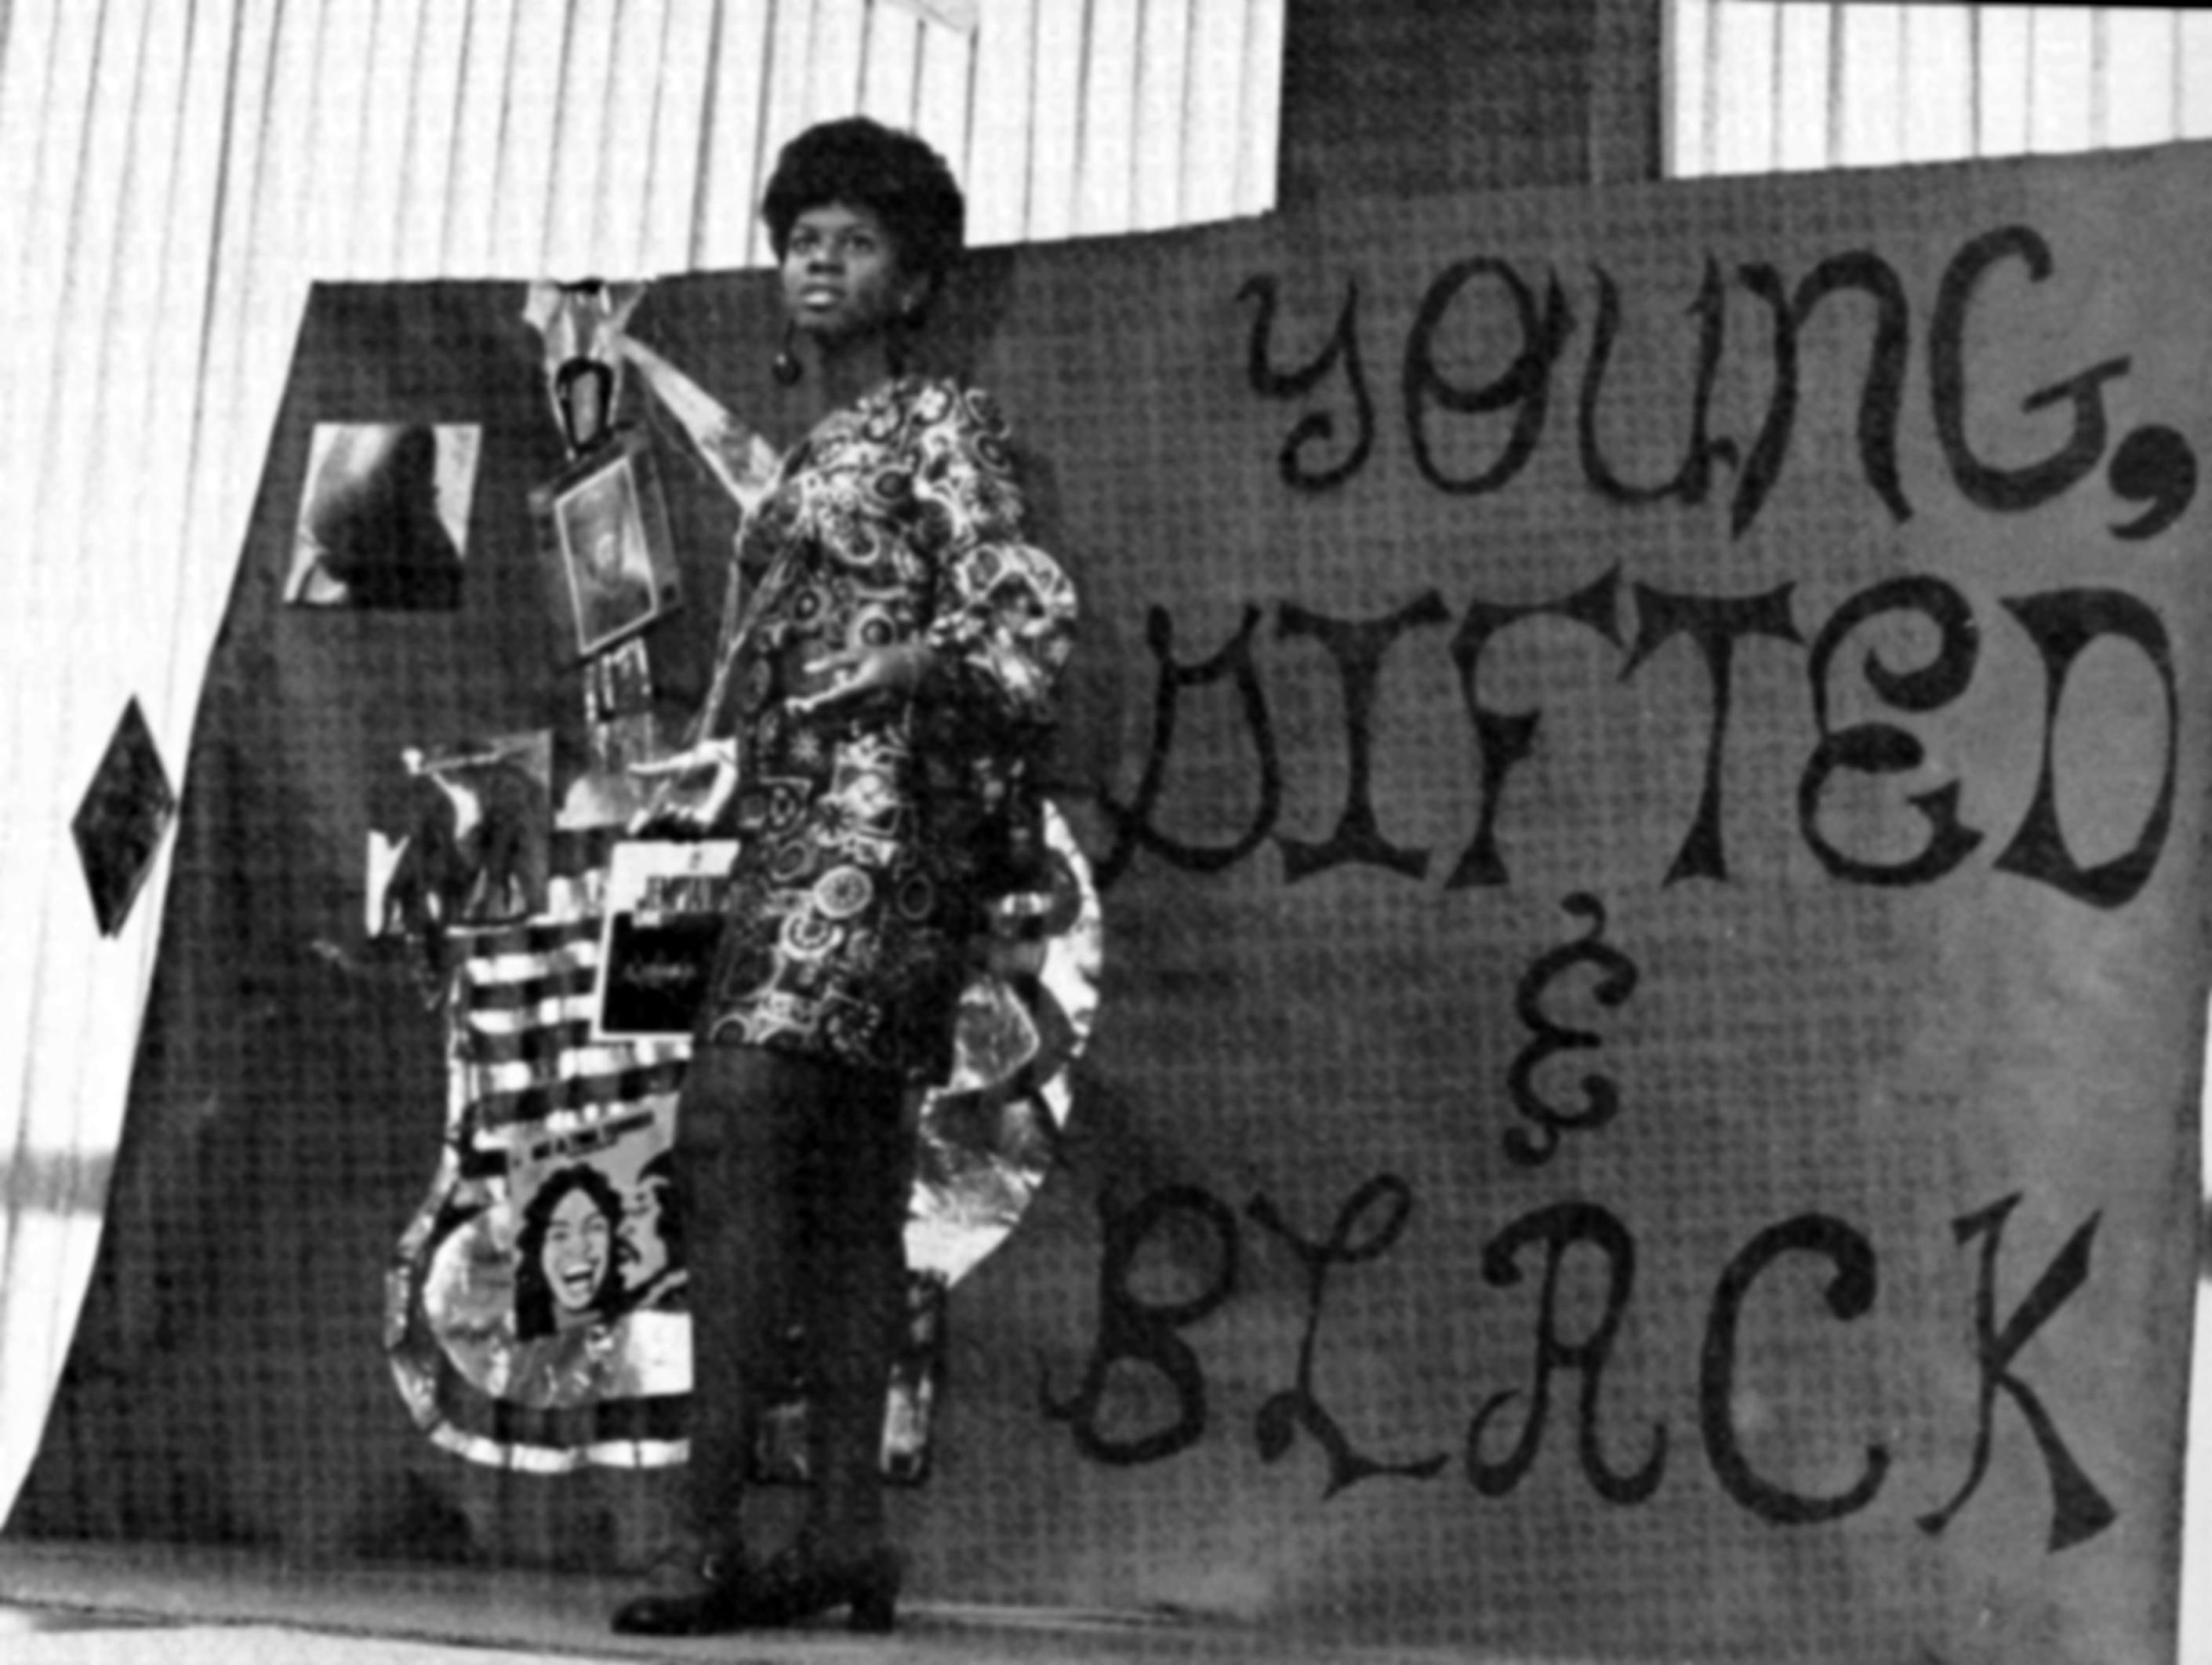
1502,421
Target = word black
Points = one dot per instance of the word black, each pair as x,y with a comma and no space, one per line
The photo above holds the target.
1506,1434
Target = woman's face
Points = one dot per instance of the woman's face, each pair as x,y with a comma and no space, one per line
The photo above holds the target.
843,277
644,1251
575,1258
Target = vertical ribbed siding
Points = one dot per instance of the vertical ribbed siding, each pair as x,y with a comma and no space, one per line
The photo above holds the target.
1063,118
1761,86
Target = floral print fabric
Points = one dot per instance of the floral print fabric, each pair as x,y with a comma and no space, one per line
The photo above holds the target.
874,839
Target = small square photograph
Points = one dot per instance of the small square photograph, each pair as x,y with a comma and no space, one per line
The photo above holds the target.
618,683
597,1228
118,826
472,841
606,532
664,917
384,518
605,793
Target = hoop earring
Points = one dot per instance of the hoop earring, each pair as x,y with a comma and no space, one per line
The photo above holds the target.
785,366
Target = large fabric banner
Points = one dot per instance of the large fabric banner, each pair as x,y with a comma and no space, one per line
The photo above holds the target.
1641,757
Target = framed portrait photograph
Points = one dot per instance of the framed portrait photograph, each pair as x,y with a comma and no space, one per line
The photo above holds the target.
605,531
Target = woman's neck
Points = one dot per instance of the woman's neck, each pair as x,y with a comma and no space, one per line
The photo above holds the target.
845,370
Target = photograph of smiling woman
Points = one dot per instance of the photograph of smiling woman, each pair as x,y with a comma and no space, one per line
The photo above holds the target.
564,1273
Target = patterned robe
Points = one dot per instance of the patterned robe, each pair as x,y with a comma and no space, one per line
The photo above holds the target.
873,840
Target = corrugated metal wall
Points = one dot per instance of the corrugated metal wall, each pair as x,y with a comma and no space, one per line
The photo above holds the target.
642,131
1760,85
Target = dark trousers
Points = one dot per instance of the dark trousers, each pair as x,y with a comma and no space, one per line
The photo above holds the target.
794,1176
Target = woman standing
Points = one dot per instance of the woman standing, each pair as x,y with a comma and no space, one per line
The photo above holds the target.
877,703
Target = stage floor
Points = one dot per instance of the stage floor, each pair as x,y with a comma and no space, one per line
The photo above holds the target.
146,1604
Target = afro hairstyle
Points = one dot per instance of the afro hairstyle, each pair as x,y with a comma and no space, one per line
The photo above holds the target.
863,164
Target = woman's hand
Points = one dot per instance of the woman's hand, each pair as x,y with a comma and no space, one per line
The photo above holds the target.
675,809
856,674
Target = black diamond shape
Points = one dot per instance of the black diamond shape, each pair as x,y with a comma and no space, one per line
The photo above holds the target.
120,823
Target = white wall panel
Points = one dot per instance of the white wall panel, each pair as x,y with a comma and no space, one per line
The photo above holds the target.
2003,90
1060,44
2192,74
1257,96
2140,54
1935,79
1000,125
944,93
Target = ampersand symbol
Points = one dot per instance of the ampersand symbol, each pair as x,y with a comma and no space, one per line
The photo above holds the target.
1616,982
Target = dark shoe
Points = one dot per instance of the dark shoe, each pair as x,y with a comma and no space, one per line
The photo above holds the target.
803,1582
714,1603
